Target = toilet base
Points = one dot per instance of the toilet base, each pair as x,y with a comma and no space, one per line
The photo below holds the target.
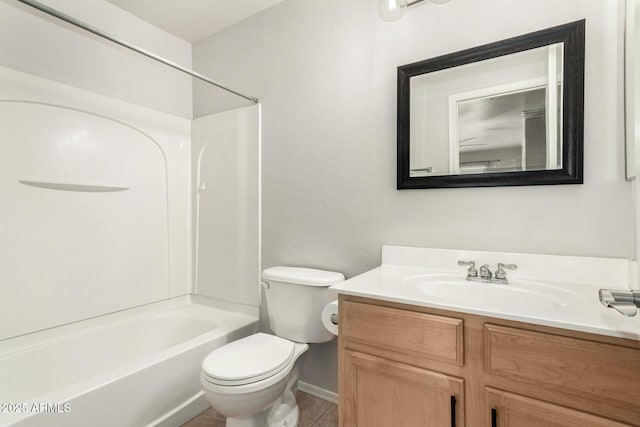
260,419
284,412
256,420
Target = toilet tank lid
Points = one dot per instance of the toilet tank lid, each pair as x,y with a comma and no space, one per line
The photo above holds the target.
302,276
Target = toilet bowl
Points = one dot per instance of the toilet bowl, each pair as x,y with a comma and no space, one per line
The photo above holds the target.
253,381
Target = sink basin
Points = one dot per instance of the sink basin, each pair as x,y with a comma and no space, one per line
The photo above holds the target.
453,290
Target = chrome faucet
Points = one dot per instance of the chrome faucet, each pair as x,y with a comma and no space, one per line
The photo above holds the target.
625,302
485,275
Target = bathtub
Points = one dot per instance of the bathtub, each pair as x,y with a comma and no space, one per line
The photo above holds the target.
137,367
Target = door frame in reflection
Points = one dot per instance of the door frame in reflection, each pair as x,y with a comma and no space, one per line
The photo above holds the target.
498,91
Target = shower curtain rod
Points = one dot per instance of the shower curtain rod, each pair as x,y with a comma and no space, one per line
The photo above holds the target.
71,20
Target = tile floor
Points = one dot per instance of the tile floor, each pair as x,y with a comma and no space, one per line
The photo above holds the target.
314,412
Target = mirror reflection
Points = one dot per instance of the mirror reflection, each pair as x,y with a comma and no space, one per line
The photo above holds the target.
502,114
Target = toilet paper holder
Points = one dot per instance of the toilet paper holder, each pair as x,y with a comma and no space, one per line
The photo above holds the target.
330,317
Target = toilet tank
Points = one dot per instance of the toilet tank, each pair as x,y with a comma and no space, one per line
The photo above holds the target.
295,298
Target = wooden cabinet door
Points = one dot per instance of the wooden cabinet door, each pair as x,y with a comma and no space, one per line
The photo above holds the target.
512,410
377,392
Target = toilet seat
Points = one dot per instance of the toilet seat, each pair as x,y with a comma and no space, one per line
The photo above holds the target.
248,360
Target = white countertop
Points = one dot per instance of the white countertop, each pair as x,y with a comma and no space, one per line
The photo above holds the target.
583,312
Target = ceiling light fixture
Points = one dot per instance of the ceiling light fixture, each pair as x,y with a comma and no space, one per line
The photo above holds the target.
392,10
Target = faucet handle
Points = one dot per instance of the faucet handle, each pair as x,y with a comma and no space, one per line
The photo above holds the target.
500,273
472,271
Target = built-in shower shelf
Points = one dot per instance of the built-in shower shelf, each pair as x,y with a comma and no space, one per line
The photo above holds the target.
86,188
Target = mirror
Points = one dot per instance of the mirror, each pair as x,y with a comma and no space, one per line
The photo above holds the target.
506,113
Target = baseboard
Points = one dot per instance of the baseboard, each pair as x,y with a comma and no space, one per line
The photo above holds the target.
198,403
318,392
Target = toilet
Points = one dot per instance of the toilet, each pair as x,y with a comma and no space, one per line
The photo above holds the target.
253,381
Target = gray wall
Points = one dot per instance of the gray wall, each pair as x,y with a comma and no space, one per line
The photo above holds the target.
325,71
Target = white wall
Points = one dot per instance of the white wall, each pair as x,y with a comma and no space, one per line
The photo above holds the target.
33,42
325,71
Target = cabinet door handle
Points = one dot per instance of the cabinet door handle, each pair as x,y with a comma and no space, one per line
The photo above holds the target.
453,411
494,417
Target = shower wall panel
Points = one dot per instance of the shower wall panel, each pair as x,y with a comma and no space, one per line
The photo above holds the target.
226,162
94,197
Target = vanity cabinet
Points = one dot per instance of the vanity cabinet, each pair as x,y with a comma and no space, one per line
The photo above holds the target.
509,409
403,365
380,384
382,393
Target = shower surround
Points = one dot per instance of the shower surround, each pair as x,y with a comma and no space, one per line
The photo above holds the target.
97,300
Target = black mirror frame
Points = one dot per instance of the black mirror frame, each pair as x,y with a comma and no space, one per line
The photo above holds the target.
573,37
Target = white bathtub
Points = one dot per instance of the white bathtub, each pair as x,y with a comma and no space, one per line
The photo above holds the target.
133,368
